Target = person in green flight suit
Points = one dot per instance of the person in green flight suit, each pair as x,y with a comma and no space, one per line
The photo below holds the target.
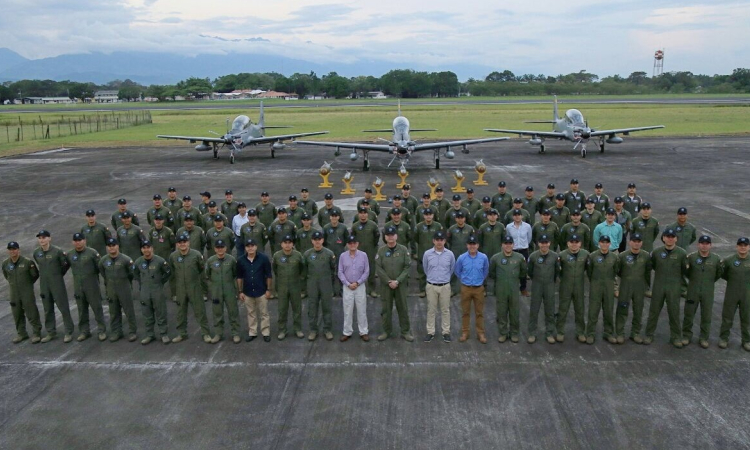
21,274
737,294
392,264
289,270
152,272
321,267
704,270
187,267
96,233
84,263
543,269
221,273
117,271
53,264
635,279
507,269
602,269
573,267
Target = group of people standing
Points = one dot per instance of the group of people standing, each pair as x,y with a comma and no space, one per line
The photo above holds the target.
460,248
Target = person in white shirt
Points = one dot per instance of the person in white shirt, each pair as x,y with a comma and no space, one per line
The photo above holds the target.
520,231
237,222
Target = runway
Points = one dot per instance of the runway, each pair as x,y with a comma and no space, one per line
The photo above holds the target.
295,394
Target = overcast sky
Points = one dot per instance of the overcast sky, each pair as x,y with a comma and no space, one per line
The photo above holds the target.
541,36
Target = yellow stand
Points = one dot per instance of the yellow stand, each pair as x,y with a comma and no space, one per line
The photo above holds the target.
402,173
348,178
325,172
459,177
378,185
433,184
480,169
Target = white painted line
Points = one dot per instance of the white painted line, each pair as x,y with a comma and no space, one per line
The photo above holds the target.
26,162
733,211
48,152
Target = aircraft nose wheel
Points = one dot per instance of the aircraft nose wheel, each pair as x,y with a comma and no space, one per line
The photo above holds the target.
583,153
231,159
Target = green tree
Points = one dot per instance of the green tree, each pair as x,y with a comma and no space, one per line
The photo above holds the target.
335,85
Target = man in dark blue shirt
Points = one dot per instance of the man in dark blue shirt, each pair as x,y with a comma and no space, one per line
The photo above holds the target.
254,284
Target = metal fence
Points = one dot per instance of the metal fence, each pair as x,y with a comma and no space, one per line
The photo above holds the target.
25,129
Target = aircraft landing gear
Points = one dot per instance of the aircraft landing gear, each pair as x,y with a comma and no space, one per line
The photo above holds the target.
216,154
273,153
366,164
541,149
583,153
601,148
231,158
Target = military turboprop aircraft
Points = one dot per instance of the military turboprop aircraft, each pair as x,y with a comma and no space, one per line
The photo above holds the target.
401,146
243,133
573,128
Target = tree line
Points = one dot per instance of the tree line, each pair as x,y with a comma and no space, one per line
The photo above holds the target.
402,83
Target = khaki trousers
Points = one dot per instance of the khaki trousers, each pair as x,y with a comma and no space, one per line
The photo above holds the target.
255,305
438,297
469,295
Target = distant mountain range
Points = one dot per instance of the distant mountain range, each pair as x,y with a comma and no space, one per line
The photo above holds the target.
166,68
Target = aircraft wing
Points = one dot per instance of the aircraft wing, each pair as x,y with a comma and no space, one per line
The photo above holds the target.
547,134
194,139
352,145
623,130
282,137
435,145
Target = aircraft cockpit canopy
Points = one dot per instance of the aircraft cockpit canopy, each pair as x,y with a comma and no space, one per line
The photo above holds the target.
241,122
574,116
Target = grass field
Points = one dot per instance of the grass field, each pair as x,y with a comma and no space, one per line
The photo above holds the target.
457,120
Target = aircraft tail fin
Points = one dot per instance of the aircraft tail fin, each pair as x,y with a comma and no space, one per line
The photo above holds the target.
556,117
261,117
399,107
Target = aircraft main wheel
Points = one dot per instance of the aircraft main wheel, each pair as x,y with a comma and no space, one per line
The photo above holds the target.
583,152
437,163
541,149
231,159
216,154
273,153
366,166
601,148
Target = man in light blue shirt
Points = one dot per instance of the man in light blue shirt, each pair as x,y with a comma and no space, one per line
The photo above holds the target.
472,269
438,263
521,233
609,228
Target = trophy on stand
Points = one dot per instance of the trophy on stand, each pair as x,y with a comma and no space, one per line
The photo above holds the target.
459,177
433,184
480,169
402,173
378,185
348,178
325,172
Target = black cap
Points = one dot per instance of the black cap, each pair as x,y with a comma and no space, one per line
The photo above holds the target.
90,213
264,194
304,190
183,238
112,241
574,181
250,242
292,198
328,196
335,212
598,185
407,187
158,217
517,200
361,209
426,195
439,189
212,204
13,245
486,199
395,211
122,201
218,218
390,230
147,243
636,237
575,212
529,189
631,185
516,212
611,211
282,210
287,238
472,240
126,215
189,217
470,191
157,197
171,189
682,210
618,200
501,184
351,239
397,197
460,214
544,238
669,232
187,198
317,235
551,186
78,237
604,238
205,194
439,235
546,212
367,189
305,216
218,243
241,205
743,241
560,197
428,211
574,238
364,202
590,200
645,205
492,212
456,197
704,239
228,192
252,212
508,240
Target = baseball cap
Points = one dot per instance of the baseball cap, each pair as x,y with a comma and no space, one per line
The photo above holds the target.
426,195
516,212
368,190
439,235
486,199
218,243
611,211
306,216
743,241
517,200
682,210
598,186
501,184
335,212
618,200
189,218
126,215
187,198
560,197
529,189
157,197
396,211
282,210
205,194
228,192
13,245
218,218
292,198
328,196
604,238
544,238
636,237
241,205
551,186
704,239
590,200
90,212
574,237
669,232
171,189
250,242
364,202
428,211
317,235
546,212
183,238
147,243
407,187
575,212
508,240
631,185
397,197
574,181
472,240
122,201
439,189
456,197
460,214
287,238
158,217
470,191
212,204
645,205
252,212
361,209
492,212
264,194
351,239
390,230
112,241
